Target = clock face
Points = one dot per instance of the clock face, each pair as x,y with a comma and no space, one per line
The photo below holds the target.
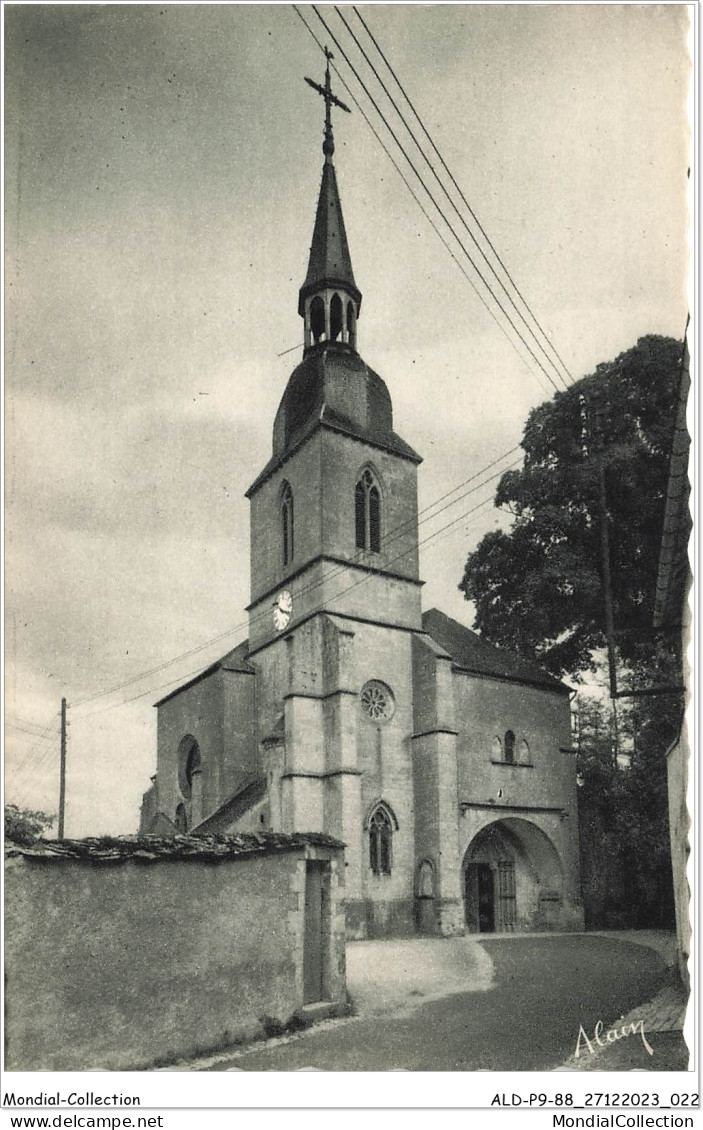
282,608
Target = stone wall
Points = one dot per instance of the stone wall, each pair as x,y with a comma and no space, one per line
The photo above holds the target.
679,824
534,798
333,765
218,712
197,712
120,959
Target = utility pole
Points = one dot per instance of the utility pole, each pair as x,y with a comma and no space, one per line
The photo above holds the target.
607,578
605,566
608,595
62,771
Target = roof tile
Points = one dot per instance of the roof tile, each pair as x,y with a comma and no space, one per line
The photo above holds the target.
471,653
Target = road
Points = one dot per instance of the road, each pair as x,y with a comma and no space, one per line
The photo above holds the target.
527,1017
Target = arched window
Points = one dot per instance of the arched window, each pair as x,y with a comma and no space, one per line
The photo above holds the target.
336,318
524,753
509,747
374,519
189,765
367,510
317,318
190,779
287,530
181,819
381,841
360,513
193,765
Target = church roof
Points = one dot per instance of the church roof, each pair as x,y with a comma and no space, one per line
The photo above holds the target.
234,660
473,654
330,262
249,791
333,388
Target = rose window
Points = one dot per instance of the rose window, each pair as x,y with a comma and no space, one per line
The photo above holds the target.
377,701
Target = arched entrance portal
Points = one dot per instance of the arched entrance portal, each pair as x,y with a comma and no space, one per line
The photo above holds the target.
512,879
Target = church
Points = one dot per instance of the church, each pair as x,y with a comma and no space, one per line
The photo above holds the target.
442,763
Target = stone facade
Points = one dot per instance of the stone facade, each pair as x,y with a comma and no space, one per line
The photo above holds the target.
443,764
679,829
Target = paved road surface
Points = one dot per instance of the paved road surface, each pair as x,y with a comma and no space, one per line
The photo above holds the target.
528,1020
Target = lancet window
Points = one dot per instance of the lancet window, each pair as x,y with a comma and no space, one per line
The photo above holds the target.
509,747
381,841
367,509
287,529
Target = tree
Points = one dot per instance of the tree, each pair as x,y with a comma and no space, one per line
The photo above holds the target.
538,589
623,819
601,819
24,826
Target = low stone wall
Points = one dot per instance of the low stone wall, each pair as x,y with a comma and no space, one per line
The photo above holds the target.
125,954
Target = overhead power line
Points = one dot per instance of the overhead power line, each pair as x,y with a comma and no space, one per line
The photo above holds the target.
446,192
390,539
20,734
23,723
183,678
465,201
362,580
22,780
406,552
159,667
437,206
545,388
47,735
399,531
31,769
316,584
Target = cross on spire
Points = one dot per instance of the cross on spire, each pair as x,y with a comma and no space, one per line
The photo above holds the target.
330,100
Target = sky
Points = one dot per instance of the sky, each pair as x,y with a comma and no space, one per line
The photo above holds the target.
162,165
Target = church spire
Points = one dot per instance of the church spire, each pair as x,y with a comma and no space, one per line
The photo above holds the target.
330,300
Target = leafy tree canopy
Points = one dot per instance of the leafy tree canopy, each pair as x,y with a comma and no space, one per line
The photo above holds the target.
24,826
538,589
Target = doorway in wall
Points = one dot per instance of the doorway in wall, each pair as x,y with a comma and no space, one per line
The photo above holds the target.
317,931
513,879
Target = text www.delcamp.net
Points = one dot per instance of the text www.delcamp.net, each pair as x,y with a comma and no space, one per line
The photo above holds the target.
87,1121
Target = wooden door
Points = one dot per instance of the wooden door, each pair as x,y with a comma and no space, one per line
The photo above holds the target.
313,945
507,903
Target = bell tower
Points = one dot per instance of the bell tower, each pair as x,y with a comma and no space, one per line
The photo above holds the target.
334,511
